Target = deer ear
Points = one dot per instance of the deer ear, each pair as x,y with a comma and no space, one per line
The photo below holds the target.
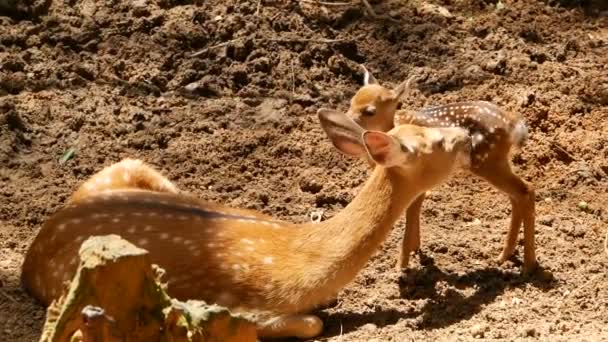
368,78
383,149
401,88
343,132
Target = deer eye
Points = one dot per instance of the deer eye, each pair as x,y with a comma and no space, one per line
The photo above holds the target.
406,149
369,111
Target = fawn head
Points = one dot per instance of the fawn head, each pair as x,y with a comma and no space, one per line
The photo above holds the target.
406,147
373,106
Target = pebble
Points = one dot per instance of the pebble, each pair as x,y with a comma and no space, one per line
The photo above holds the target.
479,330
582,205
369,327
546,220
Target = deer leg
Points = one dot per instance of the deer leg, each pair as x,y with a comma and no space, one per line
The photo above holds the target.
126,174
411,237
521,194
300,326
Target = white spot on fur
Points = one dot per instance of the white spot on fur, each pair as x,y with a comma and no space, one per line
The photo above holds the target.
247,241
164,236
519,134
61,227
268,260
477,138
116,220
148,228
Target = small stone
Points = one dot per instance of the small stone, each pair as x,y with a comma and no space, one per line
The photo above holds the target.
433,9
479,330
86,71
206,87
475,222
474,73
369,327
582,205
546,220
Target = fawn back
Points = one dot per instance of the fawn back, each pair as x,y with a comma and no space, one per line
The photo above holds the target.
493,131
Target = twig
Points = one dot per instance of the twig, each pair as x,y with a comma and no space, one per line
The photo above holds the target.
303,40
200,52
257,11
578,289
280,40
9,297
323,3
293,81
606,242
373,14
564,151
369,8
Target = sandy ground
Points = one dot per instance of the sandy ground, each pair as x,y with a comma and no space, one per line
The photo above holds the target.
110,79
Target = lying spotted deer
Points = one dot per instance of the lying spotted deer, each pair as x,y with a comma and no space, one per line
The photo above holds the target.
271,270
494,133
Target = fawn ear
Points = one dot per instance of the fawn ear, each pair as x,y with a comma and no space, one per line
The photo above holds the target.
368,78
403,87
343,132
384,149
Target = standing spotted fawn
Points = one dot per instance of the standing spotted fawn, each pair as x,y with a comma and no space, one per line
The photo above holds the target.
493,133
273,271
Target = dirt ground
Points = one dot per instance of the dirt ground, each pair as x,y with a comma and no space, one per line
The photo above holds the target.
236,124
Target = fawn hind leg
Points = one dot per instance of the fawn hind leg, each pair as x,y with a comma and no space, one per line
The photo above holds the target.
126,174
300,326
521,195
411,237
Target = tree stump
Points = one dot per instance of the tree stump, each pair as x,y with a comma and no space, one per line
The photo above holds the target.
116,295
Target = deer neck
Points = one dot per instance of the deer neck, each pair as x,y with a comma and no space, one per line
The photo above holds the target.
336,250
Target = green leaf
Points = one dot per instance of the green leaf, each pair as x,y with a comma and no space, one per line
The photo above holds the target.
67,155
